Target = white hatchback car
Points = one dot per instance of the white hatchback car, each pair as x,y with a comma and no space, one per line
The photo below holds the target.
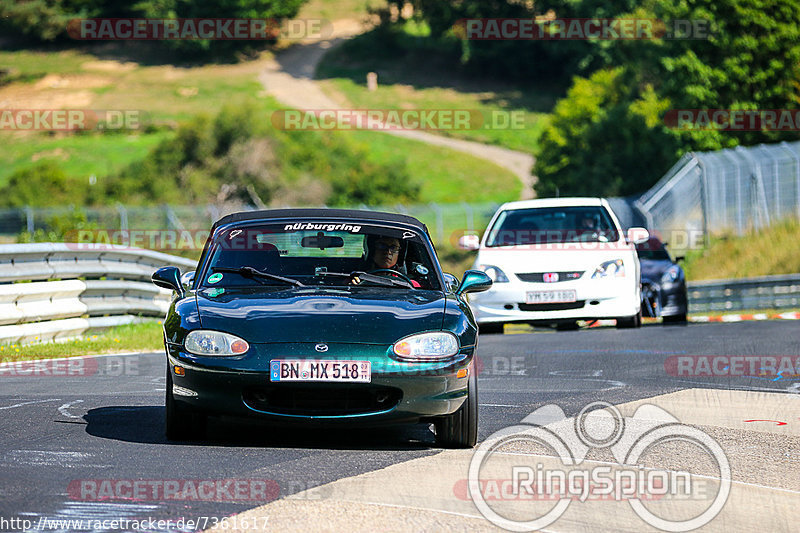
557,261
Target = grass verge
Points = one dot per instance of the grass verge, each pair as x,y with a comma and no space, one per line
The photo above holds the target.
770,251
146,336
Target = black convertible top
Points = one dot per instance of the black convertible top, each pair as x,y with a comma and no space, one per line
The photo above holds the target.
321,213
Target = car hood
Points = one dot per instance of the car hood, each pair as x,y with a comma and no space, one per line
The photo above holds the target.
359,315
554,258
653,270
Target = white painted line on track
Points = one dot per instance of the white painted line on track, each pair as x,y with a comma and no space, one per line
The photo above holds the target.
63,409
29,403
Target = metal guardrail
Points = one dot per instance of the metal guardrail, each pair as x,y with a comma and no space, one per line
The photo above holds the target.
42,298
765,292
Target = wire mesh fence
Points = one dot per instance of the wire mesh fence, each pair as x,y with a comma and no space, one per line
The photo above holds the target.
731,191
446,222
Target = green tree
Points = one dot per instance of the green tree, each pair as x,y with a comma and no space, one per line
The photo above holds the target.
604,140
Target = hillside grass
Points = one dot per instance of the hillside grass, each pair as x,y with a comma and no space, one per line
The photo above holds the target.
771,251
413,73
168,94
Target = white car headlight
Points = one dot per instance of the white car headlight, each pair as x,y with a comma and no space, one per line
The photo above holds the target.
609,269
207,342
671,275
494,273
426,346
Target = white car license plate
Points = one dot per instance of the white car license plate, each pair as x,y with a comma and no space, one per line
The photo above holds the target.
549,297
320,370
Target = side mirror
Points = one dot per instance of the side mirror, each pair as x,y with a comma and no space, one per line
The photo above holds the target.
187,279
680,258
469,242
451,282
474,281
638,235
168,278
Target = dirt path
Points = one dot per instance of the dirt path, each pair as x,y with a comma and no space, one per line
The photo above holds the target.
290,79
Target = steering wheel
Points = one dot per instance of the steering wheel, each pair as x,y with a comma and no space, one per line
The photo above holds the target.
391,271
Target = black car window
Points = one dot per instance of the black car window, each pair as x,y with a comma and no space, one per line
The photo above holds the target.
319,254
546,225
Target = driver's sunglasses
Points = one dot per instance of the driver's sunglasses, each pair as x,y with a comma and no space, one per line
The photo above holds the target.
383,247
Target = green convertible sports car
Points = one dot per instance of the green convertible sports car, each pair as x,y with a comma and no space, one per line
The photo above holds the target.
321,316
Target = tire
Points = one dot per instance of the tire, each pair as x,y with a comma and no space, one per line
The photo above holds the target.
628,322
490,328
567,326
181,423
460,430
676,319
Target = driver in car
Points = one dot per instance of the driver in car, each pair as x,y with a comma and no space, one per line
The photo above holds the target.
587,222
385,252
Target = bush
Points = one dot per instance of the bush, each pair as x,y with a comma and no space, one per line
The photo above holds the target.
42,184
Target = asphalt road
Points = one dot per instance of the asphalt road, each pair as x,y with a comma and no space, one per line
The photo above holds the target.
56,431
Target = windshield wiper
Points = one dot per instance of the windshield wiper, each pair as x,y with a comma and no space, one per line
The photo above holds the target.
250,272
367,277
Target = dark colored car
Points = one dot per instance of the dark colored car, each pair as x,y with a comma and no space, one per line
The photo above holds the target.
664,291
321,316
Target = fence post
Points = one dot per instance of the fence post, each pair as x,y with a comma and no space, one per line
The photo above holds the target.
794,155
470,216
704,199
439,221
123,217
29,219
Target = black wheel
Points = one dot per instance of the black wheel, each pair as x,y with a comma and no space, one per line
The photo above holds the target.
492,327
460,430
676,319
627,322
567,326
181,423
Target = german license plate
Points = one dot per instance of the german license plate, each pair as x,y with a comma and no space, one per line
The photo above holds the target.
549,297
320,370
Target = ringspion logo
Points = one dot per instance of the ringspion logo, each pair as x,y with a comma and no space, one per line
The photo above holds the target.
507,486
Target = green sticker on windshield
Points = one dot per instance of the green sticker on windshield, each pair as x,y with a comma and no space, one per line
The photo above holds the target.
215,292
214,278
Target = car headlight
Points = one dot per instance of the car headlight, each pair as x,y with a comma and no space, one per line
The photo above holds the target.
615,268
672,274
494,273
207,342
426,346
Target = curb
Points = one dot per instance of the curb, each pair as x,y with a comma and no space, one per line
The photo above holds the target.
746,317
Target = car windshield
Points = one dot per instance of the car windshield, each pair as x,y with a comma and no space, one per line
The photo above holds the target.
320,254
652,251
544,225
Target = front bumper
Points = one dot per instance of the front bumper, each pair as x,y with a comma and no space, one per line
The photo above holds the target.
595,299
241,387
664,300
